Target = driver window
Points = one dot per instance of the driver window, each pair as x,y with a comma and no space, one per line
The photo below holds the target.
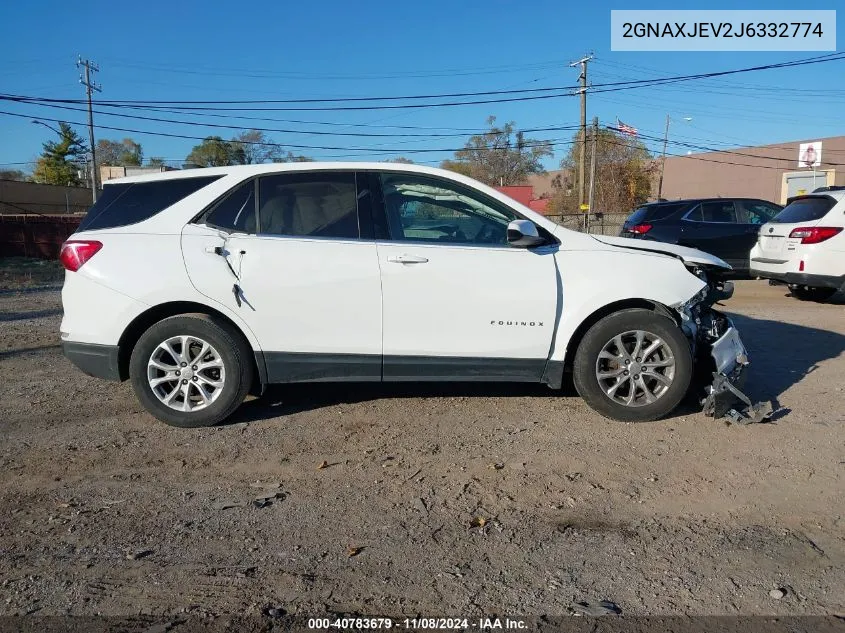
421,209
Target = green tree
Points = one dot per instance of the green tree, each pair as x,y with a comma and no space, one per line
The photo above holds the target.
215,152
59,160
156,161
125,153
624,172
501,155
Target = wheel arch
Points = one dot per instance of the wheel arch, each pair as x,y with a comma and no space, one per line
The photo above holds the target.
607,310
143,321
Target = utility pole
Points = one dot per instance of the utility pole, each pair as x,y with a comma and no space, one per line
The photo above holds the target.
663,160
90,87
583,92
595,134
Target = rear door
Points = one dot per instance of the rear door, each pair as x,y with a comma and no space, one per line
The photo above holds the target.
714,227
295,268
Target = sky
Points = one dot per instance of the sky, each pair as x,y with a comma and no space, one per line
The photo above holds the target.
216,50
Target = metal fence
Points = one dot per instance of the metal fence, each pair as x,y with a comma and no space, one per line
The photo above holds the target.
35,235
598,223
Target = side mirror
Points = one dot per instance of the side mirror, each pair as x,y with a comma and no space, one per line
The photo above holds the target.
523,234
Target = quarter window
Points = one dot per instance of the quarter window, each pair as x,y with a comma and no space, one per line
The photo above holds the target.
424,209
130,203
309,204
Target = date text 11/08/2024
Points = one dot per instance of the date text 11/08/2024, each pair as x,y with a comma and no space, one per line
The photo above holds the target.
481,624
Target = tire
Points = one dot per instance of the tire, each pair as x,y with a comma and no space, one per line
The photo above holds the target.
806,293
653,398
224,373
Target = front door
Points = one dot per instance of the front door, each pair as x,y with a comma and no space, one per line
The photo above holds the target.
459,303
294,267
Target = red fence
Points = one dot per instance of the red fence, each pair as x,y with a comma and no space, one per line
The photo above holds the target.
35,235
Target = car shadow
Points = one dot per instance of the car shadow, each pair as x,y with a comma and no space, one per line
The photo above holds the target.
782,354
280,400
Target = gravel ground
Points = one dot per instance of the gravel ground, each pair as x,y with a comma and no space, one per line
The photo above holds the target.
438,500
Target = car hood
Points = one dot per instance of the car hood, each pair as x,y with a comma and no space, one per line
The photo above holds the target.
689,255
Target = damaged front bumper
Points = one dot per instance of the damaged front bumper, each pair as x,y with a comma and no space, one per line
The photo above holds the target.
721,359
723,394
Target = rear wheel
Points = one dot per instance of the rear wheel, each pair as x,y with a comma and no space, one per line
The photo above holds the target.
807,293
190,370
634,366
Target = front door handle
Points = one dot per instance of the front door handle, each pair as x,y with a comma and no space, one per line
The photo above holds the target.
406,259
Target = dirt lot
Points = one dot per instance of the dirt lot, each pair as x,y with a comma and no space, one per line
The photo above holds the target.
106,510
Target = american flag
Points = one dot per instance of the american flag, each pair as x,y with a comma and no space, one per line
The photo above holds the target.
626,129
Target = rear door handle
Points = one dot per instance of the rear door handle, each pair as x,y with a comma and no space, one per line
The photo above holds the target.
407,259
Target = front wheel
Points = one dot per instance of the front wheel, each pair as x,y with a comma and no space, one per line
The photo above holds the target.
190,370
634,365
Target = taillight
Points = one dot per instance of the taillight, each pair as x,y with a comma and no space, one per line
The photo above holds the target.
640,229
76,252
815,234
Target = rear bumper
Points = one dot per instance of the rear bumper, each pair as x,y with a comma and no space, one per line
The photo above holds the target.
100,361
802,279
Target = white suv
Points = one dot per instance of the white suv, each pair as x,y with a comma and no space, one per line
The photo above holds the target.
202,286
804,246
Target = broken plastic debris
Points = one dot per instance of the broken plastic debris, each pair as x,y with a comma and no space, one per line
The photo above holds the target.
478,522
594,609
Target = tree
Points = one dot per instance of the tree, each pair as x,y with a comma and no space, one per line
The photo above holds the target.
401,160
125,153
215,152
500,156
624,171
459,167
257,148
156,161
290,157
59,161
13,174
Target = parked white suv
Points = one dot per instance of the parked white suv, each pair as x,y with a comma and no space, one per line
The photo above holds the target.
201,286
804,245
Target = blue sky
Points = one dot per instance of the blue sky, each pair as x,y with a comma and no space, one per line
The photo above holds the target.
276,50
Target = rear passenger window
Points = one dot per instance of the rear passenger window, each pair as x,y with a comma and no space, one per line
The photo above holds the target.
718,211
236,212
124,204
309,204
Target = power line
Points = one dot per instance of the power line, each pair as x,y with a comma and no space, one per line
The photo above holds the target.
280,130
287,145
596,88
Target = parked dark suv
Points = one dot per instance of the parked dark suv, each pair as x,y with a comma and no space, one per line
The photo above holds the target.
725,227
